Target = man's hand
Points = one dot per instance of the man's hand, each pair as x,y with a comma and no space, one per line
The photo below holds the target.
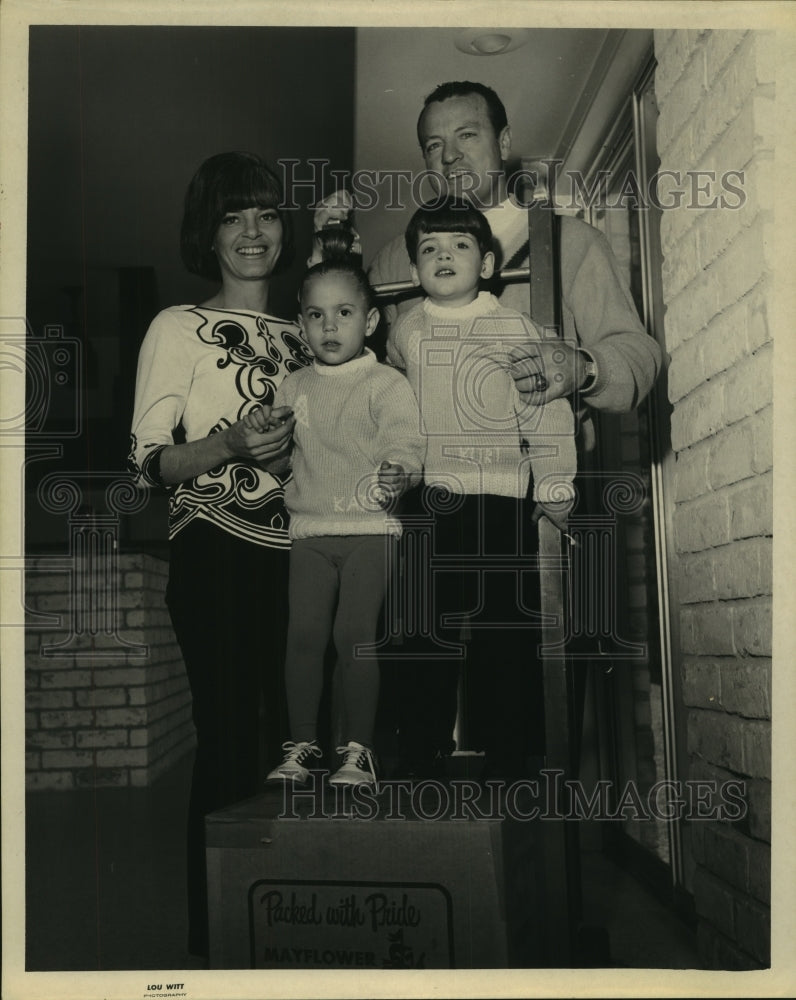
546,369
334,208
393,481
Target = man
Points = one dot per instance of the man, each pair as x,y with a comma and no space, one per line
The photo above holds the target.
605,360
464,136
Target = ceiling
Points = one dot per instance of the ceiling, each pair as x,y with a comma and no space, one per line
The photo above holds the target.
561,89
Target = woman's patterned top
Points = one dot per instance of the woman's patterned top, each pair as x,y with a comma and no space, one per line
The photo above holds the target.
201,370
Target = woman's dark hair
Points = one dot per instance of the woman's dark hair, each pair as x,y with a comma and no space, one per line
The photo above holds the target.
340,264
228,182
464,88
448,215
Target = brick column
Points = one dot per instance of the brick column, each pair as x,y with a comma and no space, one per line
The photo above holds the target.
717,114
99,717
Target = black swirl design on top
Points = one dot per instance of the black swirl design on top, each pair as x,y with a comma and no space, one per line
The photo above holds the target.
264,333
148,472
299,355
239,498
256,351
132,465
254,383
233,337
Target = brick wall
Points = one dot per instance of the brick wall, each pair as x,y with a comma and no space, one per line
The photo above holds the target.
108,708
716,95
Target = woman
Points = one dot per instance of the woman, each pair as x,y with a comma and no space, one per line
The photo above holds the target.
201,369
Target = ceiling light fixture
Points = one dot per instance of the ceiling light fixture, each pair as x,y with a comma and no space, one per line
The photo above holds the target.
490,41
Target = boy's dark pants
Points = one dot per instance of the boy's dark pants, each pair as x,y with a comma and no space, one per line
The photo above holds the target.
487,542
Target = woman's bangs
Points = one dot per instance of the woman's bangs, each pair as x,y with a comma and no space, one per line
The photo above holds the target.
249,188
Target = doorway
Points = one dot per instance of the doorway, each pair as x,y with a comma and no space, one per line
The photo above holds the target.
633,690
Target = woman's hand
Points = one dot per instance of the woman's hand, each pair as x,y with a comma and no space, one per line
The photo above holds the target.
180,462
262,435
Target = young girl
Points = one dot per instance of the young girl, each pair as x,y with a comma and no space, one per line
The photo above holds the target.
357,446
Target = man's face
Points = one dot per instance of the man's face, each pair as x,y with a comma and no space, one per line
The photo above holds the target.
458,141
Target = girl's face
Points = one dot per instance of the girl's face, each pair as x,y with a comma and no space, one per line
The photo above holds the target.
247,243
335,318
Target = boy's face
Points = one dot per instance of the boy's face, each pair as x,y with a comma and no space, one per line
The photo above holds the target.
335,319
449,267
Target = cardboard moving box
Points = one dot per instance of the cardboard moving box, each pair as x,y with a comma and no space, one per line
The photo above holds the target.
418,876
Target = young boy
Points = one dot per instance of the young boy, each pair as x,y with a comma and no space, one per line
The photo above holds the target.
486,448
357,445
454,347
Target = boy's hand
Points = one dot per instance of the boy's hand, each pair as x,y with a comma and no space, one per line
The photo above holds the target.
393,481
258,418
557,511
263,418
281,415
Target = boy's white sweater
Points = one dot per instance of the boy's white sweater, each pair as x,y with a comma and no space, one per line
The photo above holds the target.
482,438
349,419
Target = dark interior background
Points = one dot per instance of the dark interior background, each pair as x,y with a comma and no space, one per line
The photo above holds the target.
119,119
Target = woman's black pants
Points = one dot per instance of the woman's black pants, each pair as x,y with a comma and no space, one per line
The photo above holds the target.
228,604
